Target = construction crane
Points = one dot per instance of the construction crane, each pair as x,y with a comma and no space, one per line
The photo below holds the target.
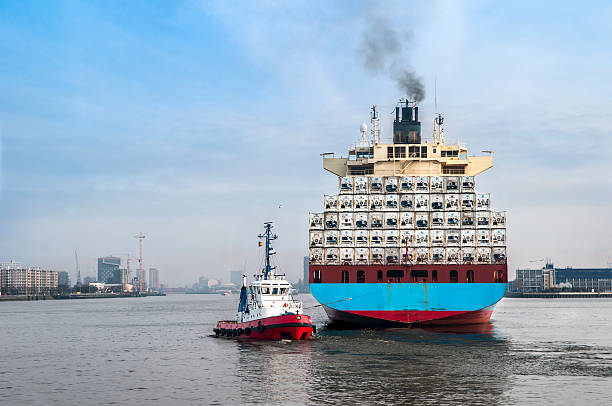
140,237
76,259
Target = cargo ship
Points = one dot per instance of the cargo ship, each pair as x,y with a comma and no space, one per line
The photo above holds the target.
267,309
407,239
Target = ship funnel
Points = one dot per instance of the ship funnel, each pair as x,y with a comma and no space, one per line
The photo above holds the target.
408,129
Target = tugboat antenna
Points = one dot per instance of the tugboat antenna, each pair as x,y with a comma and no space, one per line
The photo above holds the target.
269,238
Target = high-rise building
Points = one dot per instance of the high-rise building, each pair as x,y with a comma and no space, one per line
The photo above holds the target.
88,279
153,279
107,267
236,277
305,285
63,279
27,281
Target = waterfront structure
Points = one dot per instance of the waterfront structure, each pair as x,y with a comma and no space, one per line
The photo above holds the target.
16,279
574,279
407,238
107,267
88,279
154,279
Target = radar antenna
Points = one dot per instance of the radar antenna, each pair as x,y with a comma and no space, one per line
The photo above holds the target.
375,130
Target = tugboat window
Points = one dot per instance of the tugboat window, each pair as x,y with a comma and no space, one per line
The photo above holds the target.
264,291
275,291
360,277
345,277
454,277
470,276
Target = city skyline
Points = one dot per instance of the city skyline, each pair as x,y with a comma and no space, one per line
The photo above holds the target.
195,134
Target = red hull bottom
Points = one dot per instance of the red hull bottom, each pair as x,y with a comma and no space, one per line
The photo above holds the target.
286,327
402,318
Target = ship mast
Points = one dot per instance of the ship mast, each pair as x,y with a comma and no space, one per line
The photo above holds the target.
269,250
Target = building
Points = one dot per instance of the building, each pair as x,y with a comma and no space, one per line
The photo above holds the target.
236,278
305,285
120,277
576,279
107,267
18,280
88,279
63,281
154,279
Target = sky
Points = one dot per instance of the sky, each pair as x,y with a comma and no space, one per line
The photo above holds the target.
194,122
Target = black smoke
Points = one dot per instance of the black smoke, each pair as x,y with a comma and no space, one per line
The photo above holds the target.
382,51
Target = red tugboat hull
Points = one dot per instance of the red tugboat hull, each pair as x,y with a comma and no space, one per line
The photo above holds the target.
285,327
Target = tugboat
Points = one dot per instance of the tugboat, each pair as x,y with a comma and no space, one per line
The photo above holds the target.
267,310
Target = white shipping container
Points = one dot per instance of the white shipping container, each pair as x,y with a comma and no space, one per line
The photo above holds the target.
421,202
452,255
499,255
331,238
360,184
452,219
346,238
421,238
407,220
498,219
437,202
452,238
330,202
483,255
346,184
498,236
346,221
468,238
316,256
361,238
391,220
406,202
316,221
483,201
483,237
437,219
451,184
391,255
361,220
421,184
436,184
467,184
436,237
391,184
361,202
391,202
376,184
376,238
331,221
362,255
410,258
407,238
376,220
377,202
483,219
437,255
421,255
451,202
346,202
406,184
316,238
347,255
376,255
467,255
421,220
467,219
391,238
331,256
467,201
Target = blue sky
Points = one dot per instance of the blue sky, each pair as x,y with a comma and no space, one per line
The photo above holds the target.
192,121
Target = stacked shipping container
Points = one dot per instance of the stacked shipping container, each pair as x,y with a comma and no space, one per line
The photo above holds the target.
412,219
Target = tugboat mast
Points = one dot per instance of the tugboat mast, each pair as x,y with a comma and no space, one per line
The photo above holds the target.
269,250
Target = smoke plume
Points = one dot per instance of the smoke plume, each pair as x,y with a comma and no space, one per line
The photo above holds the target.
381,51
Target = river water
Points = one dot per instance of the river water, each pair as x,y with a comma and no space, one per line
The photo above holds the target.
157,351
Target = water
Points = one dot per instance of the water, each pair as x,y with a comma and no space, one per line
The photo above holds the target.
157,350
